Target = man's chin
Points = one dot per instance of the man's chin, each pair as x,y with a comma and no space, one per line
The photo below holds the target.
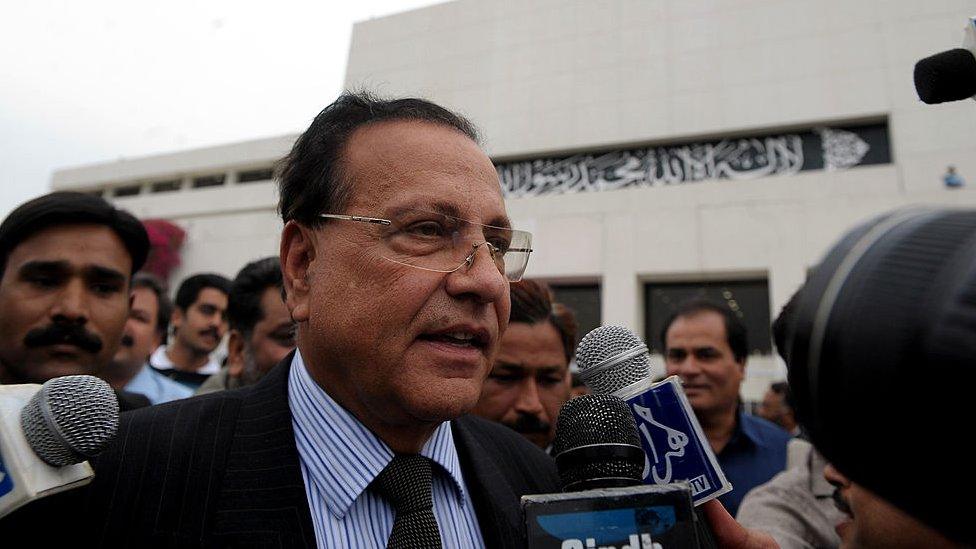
57,367
539,439
445,401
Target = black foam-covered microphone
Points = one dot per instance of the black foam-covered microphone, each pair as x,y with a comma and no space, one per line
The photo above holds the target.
946,76
596,444
604,502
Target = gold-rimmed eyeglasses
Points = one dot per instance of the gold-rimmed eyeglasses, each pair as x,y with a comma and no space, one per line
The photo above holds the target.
442,243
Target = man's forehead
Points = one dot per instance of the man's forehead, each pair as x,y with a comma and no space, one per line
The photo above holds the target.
144,299
101,249
406,163
209,295
699,324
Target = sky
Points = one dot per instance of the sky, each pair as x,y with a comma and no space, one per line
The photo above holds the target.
94,81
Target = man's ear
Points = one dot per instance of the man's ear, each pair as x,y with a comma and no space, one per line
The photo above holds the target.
296,253
235,354
175,319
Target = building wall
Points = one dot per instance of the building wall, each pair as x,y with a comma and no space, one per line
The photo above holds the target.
550,77
555,77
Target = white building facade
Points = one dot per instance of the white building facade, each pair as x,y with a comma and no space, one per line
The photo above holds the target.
656,149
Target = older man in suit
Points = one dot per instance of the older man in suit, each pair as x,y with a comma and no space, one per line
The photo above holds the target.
396,255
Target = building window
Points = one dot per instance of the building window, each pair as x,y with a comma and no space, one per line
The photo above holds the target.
748,299
584,300
127,190
165,186
250,176
208,181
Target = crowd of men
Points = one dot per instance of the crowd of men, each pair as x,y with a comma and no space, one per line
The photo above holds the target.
390,343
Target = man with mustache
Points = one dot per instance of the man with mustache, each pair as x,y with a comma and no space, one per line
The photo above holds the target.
530,380
199,323
396,253
66,261
261,330
145,329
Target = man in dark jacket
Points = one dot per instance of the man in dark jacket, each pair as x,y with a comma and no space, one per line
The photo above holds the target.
396,255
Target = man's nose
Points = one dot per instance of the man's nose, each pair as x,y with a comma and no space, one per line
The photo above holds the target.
685,367
528,397
835,477
480,277
72,304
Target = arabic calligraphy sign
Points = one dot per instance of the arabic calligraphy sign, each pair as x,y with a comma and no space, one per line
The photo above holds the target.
830,148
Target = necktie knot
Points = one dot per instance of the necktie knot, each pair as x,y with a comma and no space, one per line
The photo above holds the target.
407,484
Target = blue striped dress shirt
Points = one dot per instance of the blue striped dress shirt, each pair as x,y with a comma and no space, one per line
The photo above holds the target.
340,457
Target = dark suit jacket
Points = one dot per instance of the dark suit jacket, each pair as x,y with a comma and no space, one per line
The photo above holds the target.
223,470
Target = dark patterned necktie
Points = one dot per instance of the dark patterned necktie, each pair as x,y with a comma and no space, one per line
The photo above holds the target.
407,484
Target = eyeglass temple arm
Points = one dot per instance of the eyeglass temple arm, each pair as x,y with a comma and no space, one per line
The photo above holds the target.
359,218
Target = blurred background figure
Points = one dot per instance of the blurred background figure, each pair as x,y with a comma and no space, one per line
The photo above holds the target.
706,346
578,387
881,366
199,323
796,507
144,331
66,262
261,333
530,379
952,179
777,407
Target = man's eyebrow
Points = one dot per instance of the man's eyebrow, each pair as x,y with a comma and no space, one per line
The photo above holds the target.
449,209
509,365
105,274
59,268
522,368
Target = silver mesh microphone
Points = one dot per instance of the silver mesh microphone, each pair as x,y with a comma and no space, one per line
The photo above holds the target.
70,419
611,358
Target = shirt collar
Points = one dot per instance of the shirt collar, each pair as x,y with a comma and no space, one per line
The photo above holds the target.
341,455
744,433
160,360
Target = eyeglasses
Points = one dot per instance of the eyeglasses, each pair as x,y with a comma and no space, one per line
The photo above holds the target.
441,243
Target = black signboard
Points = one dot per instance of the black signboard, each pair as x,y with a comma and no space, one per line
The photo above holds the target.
735,158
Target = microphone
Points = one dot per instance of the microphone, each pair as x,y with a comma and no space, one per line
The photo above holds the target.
949,75
47,434
613,360
605,503
596,444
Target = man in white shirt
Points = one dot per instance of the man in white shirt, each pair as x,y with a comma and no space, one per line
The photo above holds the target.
199,323
145,328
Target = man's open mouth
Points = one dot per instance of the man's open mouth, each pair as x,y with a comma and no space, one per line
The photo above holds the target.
461,338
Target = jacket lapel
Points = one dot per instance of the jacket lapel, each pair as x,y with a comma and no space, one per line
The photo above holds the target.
262,498
495,503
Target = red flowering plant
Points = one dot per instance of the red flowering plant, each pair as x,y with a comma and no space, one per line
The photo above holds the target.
165,240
